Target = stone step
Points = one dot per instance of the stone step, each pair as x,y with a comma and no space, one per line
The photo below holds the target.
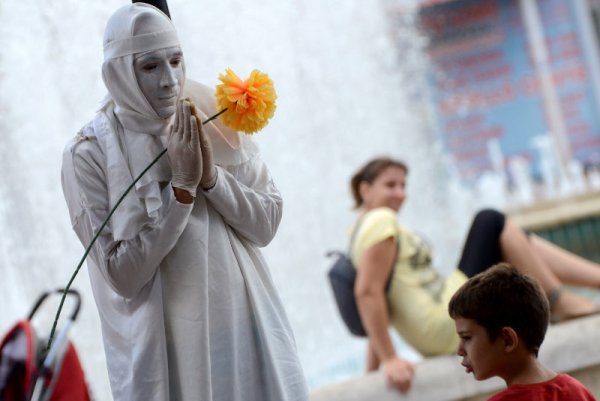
571,347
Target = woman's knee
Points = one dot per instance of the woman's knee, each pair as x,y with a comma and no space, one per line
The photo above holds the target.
489,219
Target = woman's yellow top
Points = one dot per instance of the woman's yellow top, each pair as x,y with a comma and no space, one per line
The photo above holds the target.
418,296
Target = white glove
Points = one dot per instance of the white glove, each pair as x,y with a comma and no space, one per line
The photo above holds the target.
183,149
209,172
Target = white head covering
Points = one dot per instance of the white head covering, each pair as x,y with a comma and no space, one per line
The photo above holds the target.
129,130
131,134
133,29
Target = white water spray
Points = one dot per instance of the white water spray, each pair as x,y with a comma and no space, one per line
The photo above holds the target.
342,100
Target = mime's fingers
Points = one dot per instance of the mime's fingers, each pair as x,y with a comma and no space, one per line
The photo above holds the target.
177,122
204,142
187,126
194,136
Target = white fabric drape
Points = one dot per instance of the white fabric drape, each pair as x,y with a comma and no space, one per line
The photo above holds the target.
186,302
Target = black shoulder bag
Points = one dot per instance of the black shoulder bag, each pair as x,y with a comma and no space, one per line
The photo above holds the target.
342,276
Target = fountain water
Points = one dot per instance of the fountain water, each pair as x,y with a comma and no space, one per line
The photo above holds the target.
341,101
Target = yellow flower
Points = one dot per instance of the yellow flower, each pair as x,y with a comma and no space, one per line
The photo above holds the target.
250,103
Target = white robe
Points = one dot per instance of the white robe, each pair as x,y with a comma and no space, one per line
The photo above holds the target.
187,305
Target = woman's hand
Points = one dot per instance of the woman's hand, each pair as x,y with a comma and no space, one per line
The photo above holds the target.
398,373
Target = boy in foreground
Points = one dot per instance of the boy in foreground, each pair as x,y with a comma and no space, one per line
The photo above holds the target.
501,318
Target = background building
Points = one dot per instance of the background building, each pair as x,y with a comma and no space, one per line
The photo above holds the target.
514,86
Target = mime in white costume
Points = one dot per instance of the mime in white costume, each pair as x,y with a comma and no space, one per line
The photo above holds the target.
186,302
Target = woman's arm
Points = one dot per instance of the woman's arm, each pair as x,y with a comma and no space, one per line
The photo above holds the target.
376,265
248,200
126,265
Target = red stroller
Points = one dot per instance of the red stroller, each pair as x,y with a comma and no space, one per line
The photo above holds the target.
28,373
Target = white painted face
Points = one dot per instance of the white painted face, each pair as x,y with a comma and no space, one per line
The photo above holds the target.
160,76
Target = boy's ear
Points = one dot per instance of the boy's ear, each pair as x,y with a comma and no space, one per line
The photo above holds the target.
510,338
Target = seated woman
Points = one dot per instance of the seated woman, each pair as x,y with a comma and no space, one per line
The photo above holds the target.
417,299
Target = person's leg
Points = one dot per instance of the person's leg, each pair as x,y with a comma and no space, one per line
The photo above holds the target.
518,250
569,268
493,238
482,245
372,359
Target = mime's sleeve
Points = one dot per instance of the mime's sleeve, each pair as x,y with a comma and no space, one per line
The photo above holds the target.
248,200
126,265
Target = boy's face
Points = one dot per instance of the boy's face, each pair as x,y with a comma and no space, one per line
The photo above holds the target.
480,356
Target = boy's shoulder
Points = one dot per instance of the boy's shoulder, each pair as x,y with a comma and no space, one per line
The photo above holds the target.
561,387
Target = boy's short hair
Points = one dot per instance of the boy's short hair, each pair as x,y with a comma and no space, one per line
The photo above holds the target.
501,297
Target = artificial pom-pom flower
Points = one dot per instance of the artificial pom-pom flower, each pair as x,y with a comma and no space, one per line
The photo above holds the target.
248,104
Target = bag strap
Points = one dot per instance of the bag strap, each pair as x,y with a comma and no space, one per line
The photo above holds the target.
353,236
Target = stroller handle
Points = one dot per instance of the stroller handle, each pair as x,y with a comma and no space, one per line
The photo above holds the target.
46,294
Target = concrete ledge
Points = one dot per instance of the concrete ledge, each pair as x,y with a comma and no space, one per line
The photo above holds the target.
571,347
553,213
